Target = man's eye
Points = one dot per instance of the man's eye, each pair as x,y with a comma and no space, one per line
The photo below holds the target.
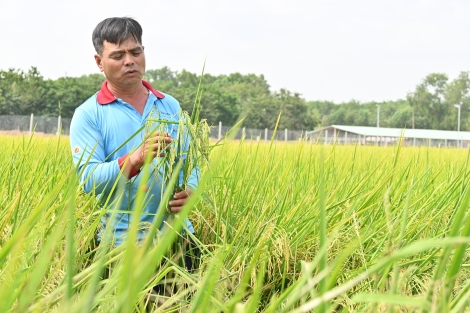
117,57
136,54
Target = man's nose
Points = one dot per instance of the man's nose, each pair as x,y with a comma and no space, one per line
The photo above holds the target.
128,59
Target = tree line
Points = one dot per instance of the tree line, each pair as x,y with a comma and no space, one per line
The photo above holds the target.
227,98
431,105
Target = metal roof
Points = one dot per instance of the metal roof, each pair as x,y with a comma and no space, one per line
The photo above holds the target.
397,132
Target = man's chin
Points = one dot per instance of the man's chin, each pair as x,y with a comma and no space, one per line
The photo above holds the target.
128,81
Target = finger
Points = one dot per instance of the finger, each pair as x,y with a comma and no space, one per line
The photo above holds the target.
176,203
182,194
176,209
166,138
156,147
155,150
159,132
159,135
156,133
160,153
160,147
163,141
149,156
154,140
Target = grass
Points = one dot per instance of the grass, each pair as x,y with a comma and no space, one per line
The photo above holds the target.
284,228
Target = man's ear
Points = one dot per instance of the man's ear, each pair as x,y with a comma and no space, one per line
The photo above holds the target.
98,62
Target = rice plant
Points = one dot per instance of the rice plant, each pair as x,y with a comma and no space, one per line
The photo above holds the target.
285,227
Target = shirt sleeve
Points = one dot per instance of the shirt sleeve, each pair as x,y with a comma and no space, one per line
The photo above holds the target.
89,155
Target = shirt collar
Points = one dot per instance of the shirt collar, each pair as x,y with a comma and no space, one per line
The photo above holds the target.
105,96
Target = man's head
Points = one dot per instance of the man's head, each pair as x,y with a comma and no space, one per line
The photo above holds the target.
116,30
119,51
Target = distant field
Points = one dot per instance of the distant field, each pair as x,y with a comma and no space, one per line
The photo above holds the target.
285,228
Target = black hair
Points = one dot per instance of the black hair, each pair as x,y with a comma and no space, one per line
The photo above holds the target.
116,30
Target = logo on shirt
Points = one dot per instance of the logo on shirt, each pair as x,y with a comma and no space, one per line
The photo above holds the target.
165,114
76,150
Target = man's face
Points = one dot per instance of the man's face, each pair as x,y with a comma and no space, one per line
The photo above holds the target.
124,64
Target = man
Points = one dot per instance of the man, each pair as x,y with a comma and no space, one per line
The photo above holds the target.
110,118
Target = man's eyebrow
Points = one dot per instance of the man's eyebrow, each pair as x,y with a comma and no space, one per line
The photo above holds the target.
136,49
117,52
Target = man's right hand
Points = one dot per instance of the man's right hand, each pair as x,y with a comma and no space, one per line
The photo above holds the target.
157,144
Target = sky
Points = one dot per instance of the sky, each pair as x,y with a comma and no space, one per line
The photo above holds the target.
336,50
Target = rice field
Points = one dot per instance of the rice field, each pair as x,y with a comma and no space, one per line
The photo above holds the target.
284,227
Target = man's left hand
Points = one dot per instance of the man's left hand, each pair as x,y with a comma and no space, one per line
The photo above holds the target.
180,199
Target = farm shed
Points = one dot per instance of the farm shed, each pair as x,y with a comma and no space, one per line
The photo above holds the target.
388,136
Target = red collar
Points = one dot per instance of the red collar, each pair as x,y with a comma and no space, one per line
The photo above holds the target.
105,96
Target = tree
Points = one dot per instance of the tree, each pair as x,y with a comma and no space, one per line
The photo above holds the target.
457,92
22,93
428,100
70,92
227,98
321,110
294,110
162,79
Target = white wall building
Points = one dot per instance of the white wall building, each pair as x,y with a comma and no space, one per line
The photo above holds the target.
363,135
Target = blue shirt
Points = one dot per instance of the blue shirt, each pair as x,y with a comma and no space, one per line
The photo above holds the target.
99,126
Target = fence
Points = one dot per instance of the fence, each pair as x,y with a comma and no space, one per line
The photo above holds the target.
40,124
257,134
51,125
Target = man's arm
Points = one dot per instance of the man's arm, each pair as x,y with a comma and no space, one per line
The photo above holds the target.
88,153
88,150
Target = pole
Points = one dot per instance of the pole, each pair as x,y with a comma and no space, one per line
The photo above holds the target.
220,131
326,137
378,123
458,129
265,134
285,134
459,143
378,115
58,126
31,123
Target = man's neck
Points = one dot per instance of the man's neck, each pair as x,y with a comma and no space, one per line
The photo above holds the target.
127,92
135,95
